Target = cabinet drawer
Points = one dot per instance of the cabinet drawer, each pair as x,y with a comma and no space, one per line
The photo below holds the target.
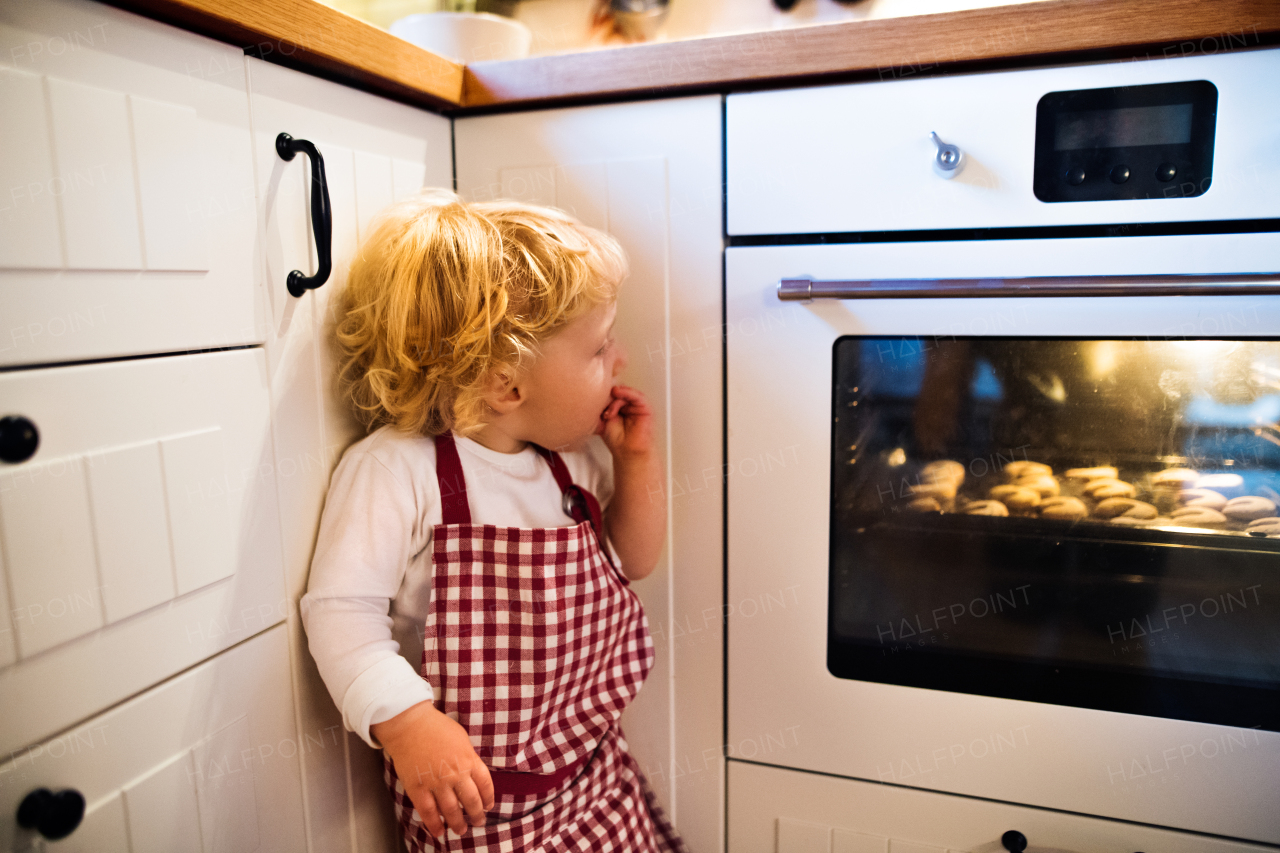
141,536
205,763
859,158
127,219
773,809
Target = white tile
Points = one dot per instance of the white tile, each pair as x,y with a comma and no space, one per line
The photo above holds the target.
30,235
94,157
225,765
196,485
8,641
846,841
47,535
161,807
173,224
797,836
102,830
532,185
373,187
130,520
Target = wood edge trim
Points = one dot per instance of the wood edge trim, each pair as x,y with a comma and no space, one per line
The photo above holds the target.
399,69
877,44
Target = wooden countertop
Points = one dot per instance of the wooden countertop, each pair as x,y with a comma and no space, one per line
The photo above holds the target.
315,37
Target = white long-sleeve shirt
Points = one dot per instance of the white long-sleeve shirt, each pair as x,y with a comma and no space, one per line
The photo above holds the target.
370,586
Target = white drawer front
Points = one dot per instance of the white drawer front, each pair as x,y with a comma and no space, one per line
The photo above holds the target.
127,217
140,538
205,763
859,157
773,810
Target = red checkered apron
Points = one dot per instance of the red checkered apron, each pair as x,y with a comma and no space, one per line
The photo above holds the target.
535,645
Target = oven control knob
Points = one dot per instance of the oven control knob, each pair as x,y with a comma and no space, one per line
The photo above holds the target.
949,160
1014,841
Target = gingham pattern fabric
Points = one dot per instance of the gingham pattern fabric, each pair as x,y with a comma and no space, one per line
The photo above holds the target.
535,645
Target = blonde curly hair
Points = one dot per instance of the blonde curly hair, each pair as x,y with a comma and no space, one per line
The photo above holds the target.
445,297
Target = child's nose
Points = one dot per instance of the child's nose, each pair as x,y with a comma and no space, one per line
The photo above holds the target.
620,359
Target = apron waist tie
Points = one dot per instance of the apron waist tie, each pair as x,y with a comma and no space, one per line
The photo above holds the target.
513,783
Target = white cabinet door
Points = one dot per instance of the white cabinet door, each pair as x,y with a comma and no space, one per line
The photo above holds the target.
375,152
772,810
141,537
126,188
204,763
649,173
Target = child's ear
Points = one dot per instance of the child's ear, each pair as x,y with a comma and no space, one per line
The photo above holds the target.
502,394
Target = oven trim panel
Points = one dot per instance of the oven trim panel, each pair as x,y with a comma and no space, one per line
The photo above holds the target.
1088,761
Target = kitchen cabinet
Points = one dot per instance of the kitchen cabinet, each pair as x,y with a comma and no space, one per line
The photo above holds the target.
204,763
375,152
649,174
128,202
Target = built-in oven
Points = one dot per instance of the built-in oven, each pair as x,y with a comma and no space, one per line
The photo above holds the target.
1003,439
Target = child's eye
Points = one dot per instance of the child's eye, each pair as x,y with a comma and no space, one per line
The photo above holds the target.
604,347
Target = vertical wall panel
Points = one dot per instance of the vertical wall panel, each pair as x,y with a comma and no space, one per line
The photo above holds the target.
94,157
131,527
583,190
162,811
49,552
196,485
532,185
8,642
169,185
29,229
407,177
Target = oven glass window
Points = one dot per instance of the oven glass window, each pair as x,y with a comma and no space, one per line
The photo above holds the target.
1084,522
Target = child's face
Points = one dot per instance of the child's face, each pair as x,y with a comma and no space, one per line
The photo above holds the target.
569,384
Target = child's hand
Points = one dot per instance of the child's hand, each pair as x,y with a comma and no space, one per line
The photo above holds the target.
627,423
438,767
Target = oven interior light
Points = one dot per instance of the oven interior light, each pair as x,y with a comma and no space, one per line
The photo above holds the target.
896,457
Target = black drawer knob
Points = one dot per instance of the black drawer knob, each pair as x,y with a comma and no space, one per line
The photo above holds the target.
18,438
1014,841
52,815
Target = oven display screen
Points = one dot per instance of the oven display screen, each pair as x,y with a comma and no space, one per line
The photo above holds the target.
1123,128
1085,522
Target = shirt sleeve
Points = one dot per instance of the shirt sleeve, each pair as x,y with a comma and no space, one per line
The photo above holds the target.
366,539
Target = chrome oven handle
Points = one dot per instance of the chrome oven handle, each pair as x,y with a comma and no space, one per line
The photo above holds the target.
805,290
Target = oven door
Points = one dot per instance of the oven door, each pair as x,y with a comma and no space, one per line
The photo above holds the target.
884,628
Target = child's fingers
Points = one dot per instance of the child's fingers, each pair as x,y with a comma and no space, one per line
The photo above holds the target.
471,801
430,814
450,810
484,784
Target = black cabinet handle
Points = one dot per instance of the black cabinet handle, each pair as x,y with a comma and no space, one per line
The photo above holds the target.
19,438
52,815
1014,841
321,214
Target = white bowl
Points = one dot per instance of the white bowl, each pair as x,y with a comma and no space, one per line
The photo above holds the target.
466,36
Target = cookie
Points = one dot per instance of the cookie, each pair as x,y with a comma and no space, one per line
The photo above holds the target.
1045,484
1198,516
1131,521
943,470
1231,485
1248,508
1023,468
924,505
1016,498
1113,507
1175,478
1100,473
986,508
1109,487
943,492
1264,527
1063,509
1202,497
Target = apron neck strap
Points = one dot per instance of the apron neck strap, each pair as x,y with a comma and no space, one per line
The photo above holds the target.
579,504
453,489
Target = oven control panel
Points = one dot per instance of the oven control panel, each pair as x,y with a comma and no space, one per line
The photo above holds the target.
1126,142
